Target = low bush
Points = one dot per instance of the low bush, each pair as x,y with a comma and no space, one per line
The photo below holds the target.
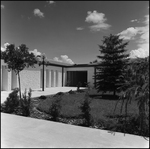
12,102
25,103
85,108
42,97
130,125
54,110
71,92
59,94
17,106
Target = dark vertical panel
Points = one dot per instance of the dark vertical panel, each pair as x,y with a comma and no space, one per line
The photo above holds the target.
95,77
62,76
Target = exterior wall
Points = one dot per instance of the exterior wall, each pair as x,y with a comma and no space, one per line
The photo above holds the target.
90,73
9,80
32,77
14,80
55,76
4,79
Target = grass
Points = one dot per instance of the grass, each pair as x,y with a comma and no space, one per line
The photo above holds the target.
102,112
100,108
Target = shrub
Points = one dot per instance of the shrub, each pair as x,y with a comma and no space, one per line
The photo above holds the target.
25,103
54,110
58,94
130,126
12,102
71,92
42,97
85,108
136,88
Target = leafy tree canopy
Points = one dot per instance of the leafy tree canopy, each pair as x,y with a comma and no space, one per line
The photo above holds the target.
17,58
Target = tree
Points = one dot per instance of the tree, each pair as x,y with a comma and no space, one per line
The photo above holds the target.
113,59
136,87
17,58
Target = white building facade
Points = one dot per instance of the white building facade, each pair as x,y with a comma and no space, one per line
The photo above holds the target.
55,75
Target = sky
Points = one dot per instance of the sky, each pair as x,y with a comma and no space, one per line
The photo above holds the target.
71,31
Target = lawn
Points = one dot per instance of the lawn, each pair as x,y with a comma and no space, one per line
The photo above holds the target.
101,109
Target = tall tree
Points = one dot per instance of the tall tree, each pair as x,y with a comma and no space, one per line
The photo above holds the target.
113,59
17,58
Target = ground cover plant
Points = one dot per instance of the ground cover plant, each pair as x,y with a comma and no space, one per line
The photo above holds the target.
101,112
15,105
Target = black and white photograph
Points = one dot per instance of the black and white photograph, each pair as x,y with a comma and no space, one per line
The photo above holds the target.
74,74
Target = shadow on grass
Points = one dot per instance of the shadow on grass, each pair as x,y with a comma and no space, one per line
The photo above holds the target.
104,96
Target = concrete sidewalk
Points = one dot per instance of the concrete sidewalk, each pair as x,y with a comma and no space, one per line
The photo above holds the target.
24,132
39,92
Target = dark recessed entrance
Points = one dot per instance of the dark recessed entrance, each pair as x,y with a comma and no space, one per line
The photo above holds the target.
73,77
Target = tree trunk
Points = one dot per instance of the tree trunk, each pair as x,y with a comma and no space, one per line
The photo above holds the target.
19,84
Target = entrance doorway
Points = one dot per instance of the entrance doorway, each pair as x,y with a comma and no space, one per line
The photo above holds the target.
73,77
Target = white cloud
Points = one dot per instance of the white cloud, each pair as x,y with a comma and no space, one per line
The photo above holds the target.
38,13
3,49
5,46
139,53
51,2
129,33
57,59
143,42
2,6
63,59
98,19
135,20
35,52
79,28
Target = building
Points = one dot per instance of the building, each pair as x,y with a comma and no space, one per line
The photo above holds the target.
55,75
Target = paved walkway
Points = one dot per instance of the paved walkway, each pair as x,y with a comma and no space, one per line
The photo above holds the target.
18,131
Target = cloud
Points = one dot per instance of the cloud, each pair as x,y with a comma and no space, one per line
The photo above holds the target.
2,6
98,19
51,2
143,41
135,20
79,28
139,53
129,33
3,49
64,59
38,13
5,46
35,52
